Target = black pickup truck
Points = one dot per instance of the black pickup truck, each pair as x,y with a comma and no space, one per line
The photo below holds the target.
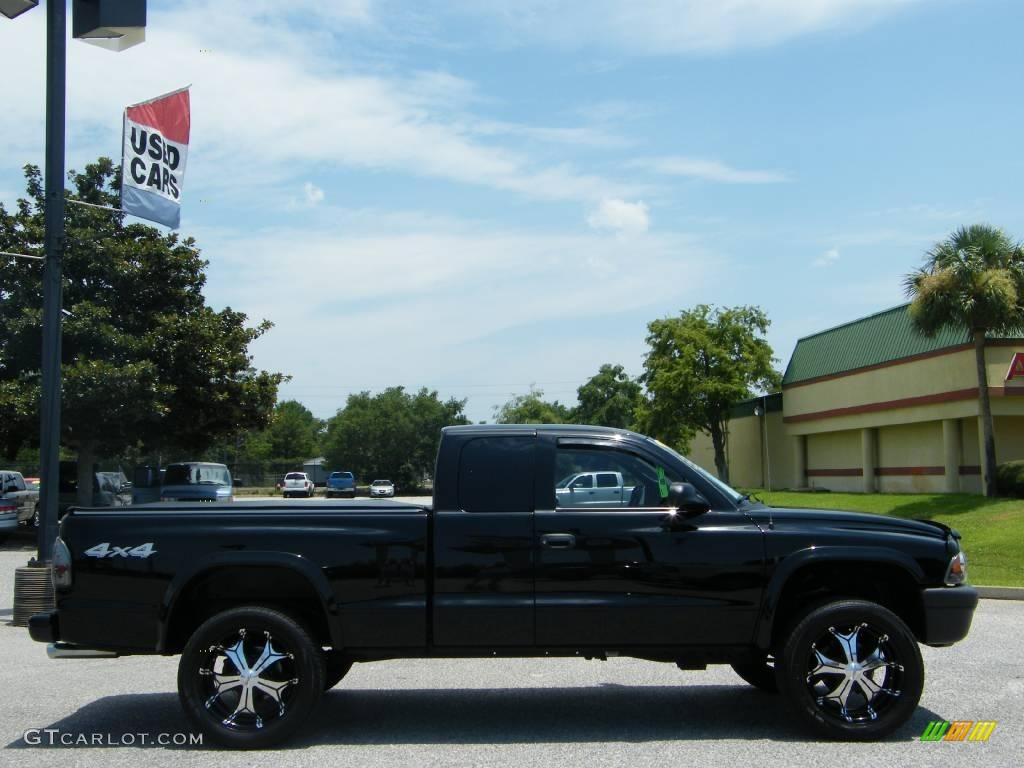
269,604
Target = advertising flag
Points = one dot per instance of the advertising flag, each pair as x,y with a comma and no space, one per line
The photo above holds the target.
153,157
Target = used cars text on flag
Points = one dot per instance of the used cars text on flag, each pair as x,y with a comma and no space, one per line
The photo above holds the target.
153,157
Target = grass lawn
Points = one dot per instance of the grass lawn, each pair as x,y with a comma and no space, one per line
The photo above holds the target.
992,529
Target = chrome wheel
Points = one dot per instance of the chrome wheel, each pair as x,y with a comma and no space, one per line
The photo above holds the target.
250,677
248,680
852,672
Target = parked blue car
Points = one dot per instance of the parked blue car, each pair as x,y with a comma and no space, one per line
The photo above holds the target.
341,484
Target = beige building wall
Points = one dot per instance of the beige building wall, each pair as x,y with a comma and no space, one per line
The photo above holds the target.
834,461
1009,432
746,452
750,465
911,459
970,456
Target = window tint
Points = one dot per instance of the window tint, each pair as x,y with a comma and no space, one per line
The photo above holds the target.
583,481
641,486
294,476
496,474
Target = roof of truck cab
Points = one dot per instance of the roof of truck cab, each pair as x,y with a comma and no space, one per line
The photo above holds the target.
522,428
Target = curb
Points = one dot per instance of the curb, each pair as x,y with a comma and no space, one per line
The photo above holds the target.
1000,593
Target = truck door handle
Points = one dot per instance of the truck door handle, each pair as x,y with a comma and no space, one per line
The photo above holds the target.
558,540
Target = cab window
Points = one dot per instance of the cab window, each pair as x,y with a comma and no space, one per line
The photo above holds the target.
644,484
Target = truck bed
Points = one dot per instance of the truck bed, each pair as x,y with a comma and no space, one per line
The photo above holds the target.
363,563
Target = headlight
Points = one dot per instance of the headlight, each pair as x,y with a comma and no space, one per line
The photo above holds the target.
956,573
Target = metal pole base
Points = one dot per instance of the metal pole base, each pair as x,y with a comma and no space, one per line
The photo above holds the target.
33,592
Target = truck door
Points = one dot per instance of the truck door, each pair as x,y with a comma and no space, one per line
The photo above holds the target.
638,574
483,541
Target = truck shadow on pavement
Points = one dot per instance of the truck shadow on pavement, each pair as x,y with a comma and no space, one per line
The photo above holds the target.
604,713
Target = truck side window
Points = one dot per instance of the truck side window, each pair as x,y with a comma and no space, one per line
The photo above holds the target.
496,474
623,479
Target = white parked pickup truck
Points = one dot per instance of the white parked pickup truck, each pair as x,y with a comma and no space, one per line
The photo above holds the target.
593,489
13,488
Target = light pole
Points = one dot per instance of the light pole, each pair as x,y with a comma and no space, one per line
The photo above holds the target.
104,22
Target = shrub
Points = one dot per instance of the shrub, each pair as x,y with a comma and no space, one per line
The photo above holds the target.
1010,478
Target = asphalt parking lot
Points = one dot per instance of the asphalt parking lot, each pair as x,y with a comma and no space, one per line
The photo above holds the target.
521,712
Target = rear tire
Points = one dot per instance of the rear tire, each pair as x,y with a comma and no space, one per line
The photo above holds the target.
851,670
336,666
250,677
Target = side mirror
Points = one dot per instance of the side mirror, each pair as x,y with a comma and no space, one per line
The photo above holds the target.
687,499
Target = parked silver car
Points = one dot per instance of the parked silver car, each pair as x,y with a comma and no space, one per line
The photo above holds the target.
593,489
25,495
380,489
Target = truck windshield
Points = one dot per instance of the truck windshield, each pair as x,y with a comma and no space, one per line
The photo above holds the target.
196,474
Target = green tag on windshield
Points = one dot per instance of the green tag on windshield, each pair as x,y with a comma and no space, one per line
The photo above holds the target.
662,483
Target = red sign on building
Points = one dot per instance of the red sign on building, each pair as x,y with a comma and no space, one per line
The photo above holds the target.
1016,373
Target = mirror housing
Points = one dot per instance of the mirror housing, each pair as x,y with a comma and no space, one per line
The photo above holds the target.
687,499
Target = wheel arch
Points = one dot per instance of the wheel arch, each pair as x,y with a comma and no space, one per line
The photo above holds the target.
288,583
820,574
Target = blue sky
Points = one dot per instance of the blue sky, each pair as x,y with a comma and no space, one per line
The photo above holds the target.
477,196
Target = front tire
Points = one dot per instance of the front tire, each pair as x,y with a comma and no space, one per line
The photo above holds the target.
851,670
250,677
760,674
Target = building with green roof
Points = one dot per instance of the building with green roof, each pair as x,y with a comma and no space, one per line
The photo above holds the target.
873,405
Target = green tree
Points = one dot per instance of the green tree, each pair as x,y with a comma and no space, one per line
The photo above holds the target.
144,360
532,408
973,280
608,399
392,435
700,364
293,434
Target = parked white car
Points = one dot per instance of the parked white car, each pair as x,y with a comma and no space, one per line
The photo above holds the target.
380,489
297,484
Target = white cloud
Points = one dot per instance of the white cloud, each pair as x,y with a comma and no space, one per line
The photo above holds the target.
827,259
314,195
273,100
619,216
659,27
431,295
707,170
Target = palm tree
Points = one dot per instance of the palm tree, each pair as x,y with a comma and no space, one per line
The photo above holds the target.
974,279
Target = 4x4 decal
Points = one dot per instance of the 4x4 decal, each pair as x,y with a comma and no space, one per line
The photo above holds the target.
106,550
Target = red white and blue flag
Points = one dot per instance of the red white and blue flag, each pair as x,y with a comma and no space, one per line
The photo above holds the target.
153,158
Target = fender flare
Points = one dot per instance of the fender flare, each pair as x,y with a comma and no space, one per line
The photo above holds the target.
815,555
214,561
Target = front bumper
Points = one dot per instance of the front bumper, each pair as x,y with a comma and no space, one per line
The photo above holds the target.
948,612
